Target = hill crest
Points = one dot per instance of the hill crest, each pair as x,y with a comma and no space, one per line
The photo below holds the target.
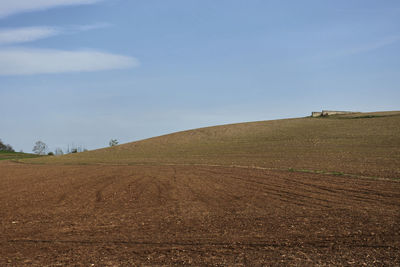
357,143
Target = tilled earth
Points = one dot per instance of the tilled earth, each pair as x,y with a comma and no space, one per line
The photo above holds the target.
104,215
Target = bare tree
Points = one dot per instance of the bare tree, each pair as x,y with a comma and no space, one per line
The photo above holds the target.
40,148
113,142
58,152
75,149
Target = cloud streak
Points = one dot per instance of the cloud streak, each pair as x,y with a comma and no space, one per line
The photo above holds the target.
22,61
30,34
26,34
372,46
10,7
90,27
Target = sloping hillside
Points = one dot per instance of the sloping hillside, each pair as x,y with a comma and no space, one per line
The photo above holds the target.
124,206
362,143
7,155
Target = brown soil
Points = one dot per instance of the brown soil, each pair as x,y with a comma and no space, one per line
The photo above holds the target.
103,215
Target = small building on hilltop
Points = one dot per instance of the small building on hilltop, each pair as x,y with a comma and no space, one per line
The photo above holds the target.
329,112
316,114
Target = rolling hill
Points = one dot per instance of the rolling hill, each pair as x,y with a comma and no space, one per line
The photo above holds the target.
249,194
365,144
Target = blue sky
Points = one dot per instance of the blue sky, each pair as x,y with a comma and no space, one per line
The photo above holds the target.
84,71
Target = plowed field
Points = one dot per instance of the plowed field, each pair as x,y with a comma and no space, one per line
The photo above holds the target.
161,215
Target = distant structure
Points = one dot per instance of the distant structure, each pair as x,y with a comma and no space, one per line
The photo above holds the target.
329,112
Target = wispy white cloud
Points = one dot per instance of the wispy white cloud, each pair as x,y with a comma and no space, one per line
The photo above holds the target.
22,61
349,50
29,34
90,27
371,46
26,34
10,7
363,48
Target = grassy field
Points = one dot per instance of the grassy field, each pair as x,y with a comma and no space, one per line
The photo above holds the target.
5,155
361,143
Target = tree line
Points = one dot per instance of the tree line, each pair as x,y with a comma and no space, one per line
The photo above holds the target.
6,147
41,148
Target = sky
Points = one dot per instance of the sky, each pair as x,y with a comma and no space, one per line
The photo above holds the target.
82,72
